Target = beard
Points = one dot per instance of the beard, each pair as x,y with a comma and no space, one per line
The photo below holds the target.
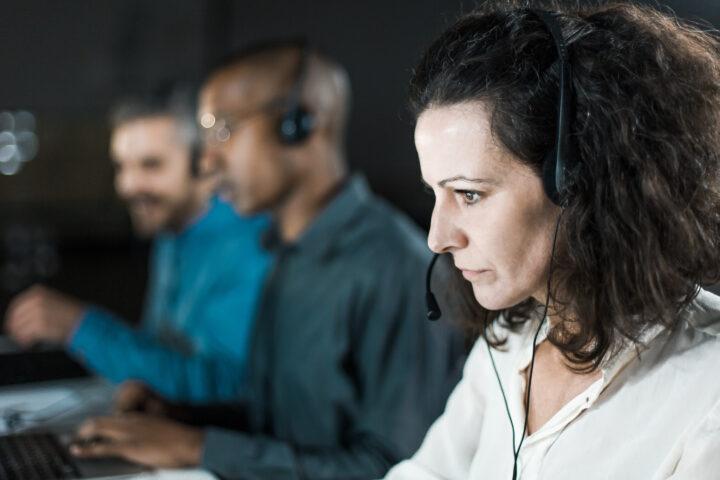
148,214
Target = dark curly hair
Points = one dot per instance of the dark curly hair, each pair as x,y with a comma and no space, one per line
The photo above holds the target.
641,229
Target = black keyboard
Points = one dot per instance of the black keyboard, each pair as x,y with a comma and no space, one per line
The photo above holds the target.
35,457
31,367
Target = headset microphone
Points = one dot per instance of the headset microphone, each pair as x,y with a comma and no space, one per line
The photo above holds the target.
433,309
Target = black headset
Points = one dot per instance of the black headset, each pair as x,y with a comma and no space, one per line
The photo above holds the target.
555,169
296,123
433,309
555,180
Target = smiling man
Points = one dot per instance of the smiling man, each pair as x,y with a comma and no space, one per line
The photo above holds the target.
206,269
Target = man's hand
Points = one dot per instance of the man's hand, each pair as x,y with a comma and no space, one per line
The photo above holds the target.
40,314
141,439
136,396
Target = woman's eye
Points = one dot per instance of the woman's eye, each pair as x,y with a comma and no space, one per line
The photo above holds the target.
468,196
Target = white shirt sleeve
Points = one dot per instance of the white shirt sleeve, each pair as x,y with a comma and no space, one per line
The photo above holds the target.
701,455
451,442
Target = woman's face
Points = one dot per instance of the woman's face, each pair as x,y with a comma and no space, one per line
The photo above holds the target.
490,210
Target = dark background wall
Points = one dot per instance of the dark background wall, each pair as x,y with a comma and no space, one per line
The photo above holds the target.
66,62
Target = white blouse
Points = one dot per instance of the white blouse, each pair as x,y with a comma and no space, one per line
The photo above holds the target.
654,414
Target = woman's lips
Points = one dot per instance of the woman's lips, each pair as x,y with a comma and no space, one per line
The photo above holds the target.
471,274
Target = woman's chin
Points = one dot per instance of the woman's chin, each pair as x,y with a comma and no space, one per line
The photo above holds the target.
494,299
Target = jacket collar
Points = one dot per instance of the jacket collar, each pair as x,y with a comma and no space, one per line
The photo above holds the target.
327,229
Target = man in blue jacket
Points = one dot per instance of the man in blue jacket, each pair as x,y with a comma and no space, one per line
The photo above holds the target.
205,278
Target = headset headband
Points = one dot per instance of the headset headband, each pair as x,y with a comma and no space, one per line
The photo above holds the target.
294,97
296,123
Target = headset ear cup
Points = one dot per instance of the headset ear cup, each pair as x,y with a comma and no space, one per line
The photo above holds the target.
295,126
549,171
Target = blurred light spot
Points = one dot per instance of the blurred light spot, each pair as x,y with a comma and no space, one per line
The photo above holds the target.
27,143
24,121
11,167
18,142
7,152
223,134
7,121
6,138
207,120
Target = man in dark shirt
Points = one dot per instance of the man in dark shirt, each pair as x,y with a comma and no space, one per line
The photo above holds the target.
346,373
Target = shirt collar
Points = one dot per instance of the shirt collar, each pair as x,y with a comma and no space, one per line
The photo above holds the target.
210,215
327,228
701,314
704,313
614,362
626,352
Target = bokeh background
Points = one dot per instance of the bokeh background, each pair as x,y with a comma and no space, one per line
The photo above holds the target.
65,63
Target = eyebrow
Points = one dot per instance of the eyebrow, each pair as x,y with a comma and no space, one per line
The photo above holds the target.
485,181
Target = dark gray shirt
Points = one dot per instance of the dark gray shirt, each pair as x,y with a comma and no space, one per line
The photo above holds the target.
346,372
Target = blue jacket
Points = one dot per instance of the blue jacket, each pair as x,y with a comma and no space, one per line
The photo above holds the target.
192,343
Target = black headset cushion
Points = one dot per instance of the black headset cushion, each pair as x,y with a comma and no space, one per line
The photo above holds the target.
295,125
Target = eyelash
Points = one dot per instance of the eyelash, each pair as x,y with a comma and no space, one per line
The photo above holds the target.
462,193
465,193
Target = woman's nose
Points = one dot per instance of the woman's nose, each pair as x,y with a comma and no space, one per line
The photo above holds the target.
445,234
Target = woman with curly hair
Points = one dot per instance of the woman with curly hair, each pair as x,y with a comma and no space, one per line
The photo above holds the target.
575,160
